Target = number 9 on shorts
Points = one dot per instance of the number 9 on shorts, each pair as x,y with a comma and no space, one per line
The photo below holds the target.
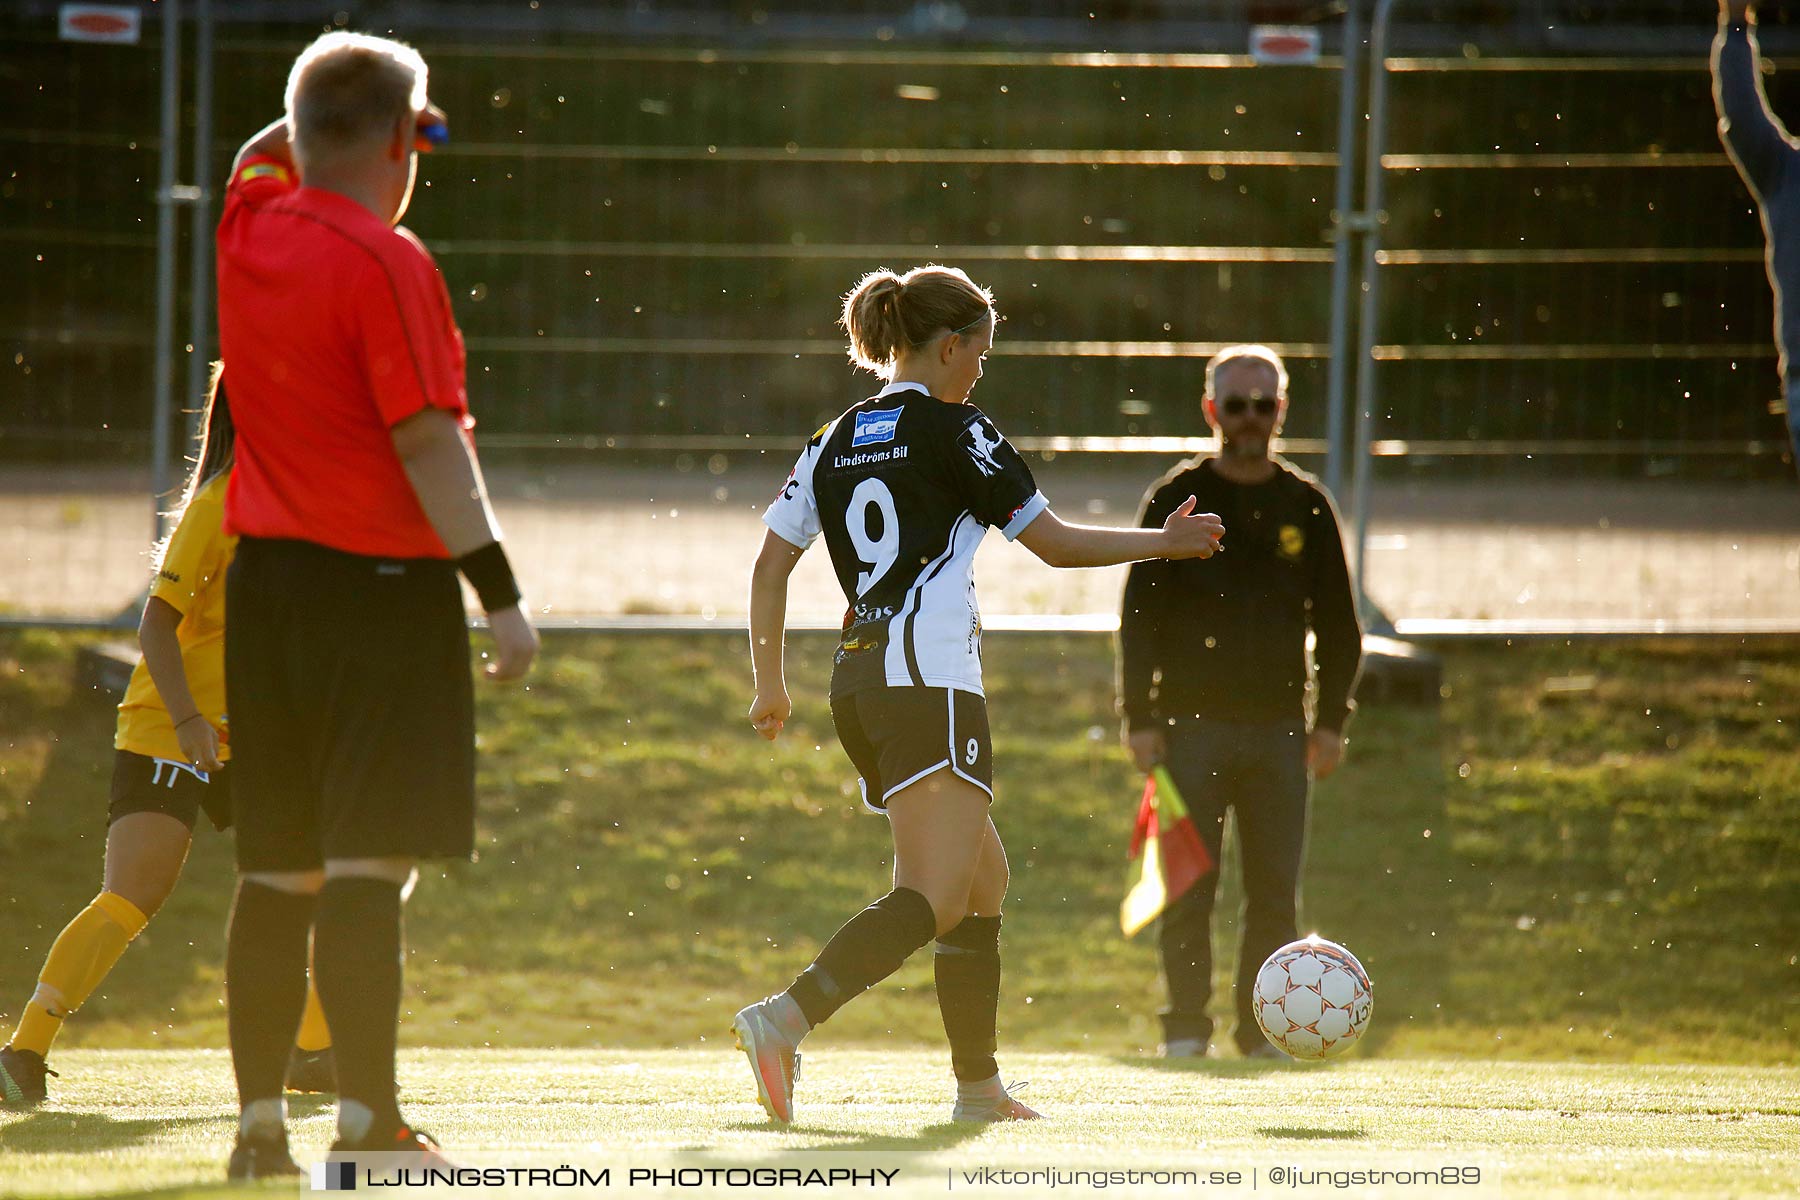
898,736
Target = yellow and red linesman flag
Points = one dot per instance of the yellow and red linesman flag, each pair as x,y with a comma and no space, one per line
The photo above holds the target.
1174,857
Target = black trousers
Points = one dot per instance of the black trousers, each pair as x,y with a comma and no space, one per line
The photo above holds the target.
1259,771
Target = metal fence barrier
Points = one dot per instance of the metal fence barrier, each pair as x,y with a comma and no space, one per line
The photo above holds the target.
645,231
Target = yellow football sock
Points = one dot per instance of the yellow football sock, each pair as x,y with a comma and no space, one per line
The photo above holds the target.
83,954
314,1034
38,1027
128,922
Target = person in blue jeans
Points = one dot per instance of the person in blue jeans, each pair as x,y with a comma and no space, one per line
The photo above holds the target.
1214,676
1769,161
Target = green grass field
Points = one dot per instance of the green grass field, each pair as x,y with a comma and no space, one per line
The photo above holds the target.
1532,1129
1576,876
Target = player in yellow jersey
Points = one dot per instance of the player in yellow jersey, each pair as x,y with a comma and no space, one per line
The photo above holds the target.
170,763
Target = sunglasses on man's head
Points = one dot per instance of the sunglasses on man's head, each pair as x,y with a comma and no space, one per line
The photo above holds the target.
431,130
1236,406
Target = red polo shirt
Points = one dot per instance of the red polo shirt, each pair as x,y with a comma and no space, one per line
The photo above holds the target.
337,327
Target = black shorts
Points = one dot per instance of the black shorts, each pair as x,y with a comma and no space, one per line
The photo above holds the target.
897,736
352,707
175,789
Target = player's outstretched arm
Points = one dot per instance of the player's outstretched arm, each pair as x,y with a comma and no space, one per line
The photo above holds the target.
447,480
1756,139
1186,534
771,708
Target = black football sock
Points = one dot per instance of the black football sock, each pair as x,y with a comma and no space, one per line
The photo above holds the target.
967,966
870,947
356,960
265,984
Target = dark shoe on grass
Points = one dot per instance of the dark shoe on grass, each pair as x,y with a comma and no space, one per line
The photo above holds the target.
401,1139
22,1078
261,1156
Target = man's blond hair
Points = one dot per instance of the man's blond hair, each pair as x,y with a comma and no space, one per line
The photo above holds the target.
349,88
1248,352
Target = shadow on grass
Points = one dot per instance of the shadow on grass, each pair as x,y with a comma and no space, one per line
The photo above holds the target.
771,1127
1222,1068
944,1136
1304,1133
57,1131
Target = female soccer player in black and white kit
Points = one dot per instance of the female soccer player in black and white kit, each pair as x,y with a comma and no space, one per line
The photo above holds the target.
904,485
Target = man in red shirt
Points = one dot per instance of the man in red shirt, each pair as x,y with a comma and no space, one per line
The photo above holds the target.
356,499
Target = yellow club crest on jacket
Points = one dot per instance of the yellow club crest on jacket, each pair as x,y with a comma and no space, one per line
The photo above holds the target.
1291,541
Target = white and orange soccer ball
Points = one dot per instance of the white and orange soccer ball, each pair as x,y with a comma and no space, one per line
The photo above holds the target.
1313,999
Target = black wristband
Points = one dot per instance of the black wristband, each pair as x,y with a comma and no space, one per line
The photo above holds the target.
491,576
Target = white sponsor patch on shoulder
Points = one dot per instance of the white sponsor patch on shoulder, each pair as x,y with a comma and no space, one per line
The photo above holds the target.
873,428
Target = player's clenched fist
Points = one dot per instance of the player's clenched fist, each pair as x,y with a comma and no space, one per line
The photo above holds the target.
769,712
516,644
1188,534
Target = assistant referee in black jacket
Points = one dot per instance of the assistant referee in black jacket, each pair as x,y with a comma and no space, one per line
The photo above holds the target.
1214,673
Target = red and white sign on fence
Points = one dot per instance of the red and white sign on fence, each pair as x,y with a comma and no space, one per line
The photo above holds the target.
1284,45
117,23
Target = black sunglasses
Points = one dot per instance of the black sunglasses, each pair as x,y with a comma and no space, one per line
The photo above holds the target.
1235,406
